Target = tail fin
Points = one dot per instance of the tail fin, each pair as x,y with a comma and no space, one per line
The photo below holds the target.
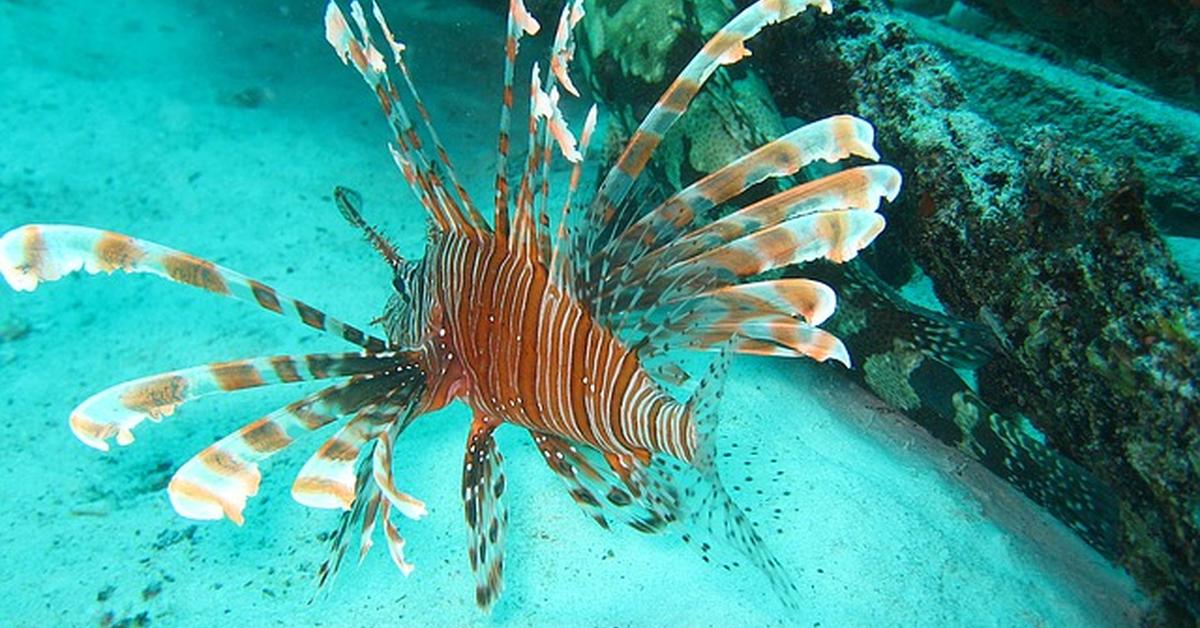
706,509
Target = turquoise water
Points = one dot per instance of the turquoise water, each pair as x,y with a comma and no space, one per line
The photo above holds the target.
221,130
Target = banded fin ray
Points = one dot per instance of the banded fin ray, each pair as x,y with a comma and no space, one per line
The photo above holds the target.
547,128
216,482
338,475
835,235
855,189
364,512
559,273
34,254
833,217
520,23
830,140
115,411
369,503
725,47
600,490
327,479
421,171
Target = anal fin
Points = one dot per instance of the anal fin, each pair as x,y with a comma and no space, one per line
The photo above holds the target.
606,486
483,484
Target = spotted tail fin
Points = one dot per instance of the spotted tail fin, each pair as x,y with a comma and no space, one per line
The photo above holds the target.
33,254
710,514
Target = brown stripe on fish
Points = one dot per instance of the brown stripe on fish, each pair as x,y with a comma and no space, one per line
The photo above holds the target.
117,252
265,295
636,156
726,46
311,316
193,271
34,249
82,425
158,397
285,369
265,436
353,335
318,365
385,101
339,450
679,96
236,375
318,485
309,418
625,376
193,492
228,465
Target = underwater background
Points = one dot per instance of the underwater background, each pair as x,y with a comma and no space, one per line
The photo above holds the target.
221,128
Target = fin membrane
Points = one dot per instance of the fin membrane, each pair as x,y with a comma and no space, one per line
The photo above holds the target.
483,485
604,487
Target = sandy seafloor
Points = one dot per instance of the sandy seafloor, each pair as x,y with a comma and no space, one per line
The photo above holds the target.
220,128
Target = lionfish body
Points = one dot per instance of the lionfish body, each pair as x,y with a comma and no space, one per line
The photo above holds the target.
569,335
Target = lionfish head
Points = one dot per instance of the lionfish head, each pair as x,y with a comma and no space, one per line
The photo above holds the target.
404,319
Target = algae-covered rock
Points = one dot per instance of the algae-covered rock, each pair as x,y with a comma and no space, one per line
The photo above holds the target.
1052,243
1155,41
638,36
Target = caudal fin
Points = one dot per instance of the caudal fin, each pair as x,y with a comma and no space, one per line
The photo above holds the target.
713,522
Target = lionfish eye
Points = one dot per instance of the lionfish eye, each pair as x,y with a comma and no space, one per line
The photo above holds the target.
399,285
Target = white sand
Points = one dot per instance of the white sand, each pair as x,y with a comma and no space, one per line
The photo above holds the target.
128,121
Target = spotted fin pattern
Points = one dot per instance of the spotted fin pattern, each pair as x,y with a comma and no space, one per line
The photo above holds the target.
604,489
707,508
483,485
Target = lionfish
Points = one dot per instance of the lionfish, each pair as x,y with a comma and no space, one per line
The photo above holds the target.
569,333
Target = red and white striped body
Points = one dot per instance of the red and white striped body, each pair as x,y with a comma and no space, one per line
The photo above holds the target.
529,354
